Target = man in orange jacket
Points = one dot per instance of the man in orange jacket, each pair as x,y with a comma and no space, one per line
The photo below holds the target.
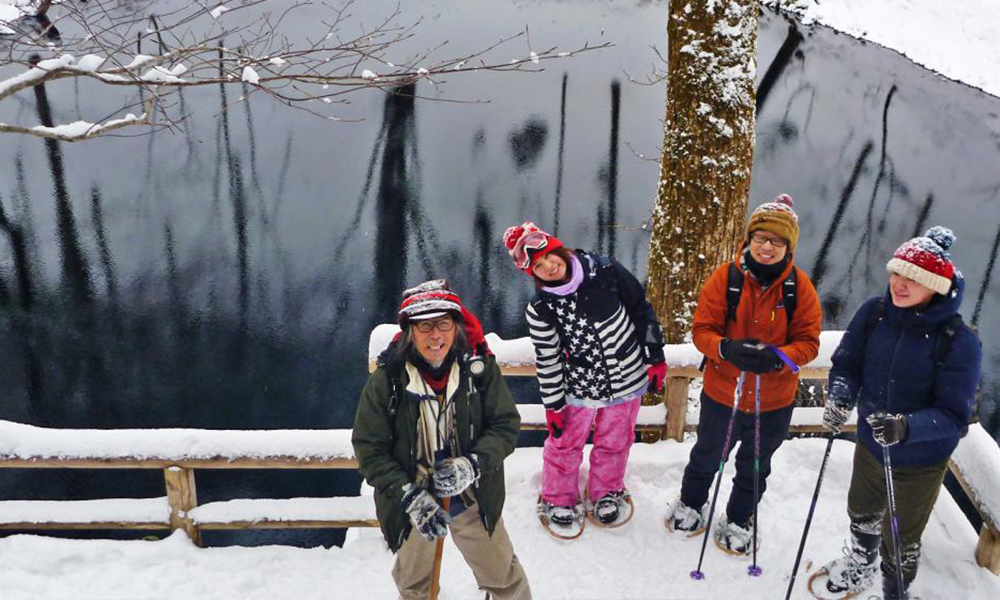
777,306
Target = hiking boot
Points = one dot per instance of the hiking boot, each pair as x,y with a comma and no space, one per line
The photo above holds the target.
735,538
854,572
890,586
681,517
608,508
563,516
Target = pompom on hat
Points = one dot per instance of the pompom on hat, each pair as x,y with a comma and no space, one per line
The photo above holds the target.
926,260
777,217
526,243
433,299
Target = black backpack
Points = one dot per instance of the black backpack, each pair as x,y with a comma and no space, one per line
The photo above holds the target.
946,333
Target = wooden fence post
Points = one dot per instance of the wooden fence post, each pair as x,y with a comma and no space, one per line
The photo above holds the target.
183,497
988,549
676,401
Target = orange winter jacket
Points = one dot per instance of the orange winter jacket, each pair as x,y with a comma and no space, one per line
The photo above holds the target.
761,315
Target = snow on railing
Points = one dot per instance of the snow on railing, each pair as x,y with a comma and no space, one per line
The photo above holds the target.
178,452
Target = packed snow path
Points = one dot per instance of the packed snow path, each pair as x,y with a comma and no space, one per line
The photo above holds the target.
639,560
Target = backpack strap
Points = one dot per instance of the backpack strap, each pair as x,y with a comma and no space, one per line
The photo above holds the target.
873,319
734,288
946,338
393,365
789,296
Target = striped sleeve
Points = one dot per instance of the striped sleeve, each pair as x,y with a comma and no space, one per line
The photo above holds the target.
548,359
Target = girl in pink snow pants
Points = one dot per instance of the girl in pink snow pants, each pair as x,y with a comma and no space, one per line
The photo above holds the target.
598,348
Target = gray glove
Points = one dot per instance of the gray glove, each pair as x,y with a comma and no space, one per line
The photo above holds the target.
835,415
429,519
452,476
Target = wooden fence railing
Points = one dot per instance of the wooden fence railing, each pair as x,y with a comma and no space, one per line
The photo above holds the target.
974,465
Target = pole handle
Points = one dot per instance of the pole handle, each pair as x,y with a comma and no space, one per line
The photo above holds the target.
438,555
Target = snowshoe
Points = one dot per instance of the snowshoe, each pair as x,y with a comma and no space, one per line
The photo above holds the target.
843,579
563,522
735,539
613,509
683,518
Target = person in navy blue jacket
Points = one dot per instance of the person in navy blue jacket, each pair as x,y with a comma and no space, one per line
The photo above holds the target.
911,367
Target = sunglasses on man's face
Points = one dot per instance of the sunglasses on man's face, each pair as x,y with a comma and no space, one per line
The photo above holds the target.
440,324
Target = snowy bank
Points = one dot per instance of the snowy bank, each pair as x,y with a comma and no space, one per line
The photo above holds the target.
956,39
519,353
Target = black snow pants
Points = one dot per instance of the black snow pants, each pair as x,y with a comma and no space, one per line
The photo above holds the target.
704,461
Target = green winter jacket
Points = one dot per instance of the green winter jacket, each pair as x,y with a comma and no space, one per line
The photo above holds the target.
385,446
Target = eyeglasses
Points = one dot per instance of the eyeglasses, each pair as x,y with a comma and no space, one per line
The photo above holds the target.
534,240
761,239
440,324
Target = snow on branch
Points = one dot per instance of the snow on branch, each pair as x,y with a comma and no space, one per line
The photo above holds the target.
152,55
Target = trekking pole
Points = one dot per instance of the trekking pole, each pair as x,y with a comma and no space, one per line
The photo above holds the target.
754,570
438,555
891,493
697,574
812,509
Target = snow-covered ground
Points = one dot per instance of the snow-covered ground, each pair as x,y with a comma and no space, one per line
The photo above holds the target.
639,560
957,38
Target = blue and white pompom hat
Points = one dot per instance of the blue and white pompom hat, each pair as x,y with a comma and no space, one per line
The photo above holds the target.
926,260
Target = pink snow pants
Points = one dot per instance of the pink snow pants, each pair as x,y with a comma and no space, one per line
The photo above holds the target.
614,432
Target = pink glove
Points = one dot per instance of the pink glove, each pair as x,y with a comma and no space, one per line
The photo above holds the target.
554,421
657,377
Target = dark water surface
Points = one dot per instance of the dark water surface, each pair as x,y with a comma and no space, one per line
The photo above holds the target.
228,276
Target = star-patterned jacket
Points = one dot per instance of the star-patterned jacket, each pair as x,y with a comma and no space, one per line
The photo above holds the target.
596,343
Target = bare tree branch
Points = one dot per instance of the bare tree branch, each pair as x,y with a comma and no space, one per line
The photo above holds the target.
203,44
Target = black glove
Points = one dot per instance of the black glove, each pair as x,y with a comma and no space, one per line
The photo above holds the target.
453,475
888,430
429,519
744,354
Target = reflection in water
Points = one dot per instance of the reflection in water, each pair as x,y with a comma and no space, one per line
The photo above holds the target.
75,272
819,268
395,199
986,277
527,143
107,262
562,148
607,214
781,61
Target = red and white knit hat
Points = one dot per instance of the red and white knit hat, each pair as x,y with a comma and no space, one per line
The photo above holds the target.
433,299
925,259
429,300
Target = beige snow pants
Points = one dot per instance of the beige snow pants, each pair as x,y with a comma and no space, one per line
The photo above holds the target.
492,560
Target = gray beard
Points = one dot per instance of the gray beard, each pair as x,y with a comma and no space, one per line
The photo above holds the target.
435,365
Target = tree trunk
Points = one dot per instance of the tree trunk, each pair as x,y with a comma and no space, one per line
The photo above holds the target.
708,141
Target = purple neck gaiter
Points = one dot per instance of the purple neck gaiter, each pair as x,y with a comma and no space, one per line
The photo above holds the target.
575,279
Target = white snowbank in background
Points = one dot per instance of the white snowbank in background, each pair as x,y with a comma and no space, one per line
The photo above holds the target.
26,441
637,561
519,352
957,38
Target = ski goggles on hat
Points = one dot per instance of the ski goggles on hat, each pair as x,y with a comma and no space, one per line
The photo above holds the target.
533,240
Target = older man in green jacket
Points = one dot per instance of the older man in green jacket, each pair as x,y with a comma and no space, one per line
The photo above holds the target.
436,421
